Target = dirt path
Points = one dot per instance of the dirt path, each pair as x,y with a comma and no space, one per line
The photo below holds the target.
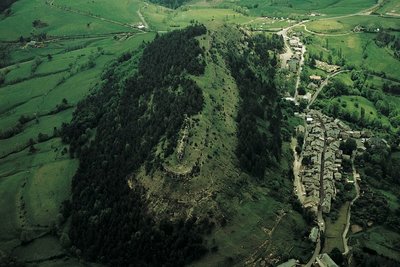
298,186
142,19
289,53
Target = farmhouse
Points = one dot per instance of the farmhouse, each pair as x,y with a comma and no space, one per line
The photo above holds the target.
294,42
315,78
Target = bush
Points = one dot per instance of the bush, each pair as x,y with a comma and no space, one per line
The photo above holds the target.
36,63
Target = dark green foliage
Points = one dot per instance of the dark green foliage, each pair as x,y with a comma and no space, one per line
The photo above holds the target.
384,38
170,3
370,258
337,88
110,221
10,132
4,55
391,88
4,4
337,256
259,116
348,146
379,169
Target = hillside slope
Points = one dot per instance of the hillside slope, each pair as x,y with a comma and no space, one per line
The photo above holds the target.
178,150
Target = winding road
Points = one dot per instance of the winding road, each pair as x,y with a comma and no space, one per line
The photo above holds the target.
323,84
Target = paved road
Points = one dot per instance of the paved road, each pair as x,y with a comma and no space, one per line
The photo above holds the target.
323,84
289,53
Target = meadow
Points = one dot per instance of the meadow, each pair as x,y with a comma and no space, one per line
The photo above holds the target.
358,50
334,230
298,8
347,24
390,7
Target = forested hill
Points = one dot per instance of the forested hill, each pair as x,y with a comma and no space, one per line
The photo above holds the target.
110,221
173,133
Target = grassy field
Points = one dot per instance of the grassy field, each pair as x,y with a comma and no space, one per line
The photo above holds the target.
347,24
358,50
33,184
353,104
334,230
298,8
163,19
59,22
122,11
48,187
391,7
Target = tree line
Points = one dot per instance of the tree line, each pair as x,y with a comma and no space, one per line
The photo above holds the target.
259,115
170,3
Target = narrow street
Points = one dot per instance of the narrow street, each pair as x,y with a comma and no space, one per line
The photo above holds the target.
298,186
289,53
320,218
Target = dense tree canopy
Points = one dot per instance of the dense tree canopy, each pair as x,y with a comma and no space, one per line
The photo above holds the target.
110,221
170,3
259,116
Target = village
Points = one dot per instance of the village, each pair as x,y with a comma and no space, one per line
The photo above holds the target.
320,159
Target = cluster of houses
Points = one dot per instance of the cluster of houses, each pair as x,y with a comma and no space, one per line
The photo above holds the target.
321,149
297,46
315,82
321,153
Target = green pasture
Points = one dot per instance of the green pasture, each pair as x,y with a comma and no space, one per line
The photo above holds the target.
121,11
390,7
60,22
301,8
345,77
353,104
10,191
48,187
357,49
334,230
162,19
347,24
